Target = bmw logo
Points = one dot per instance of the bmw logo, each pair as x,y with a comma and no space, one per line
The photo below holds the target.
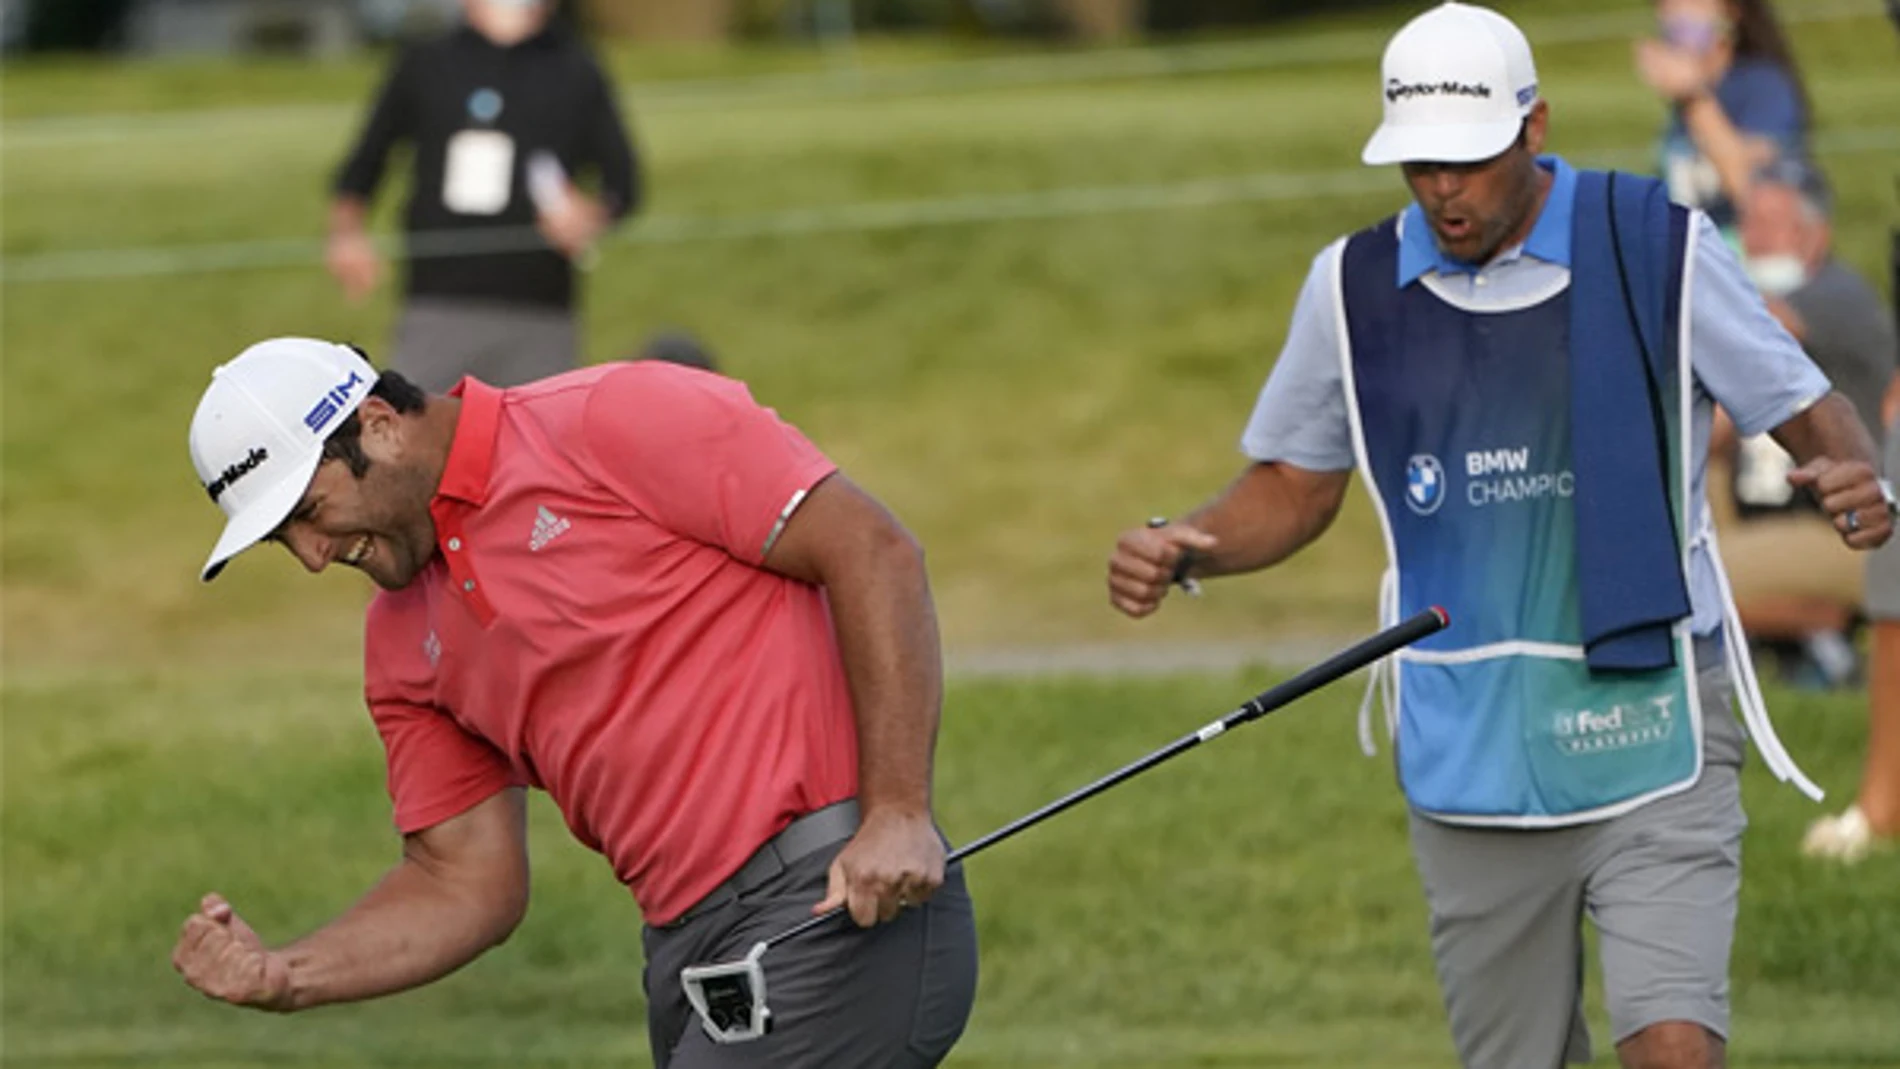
1424,484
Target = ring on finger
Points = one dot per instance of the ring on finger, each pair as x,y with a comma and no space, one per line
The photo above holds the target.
1853,520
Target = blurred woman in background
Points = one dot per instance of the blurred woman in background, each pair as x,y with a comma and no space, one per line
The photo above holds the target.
1736,96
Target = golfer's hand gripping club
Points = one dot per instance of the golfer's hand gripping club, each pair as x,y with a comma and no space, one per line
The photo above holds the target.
730,996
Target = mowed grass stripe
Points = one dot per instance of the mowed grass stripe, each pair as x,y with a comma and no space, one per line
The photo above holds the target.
1249,904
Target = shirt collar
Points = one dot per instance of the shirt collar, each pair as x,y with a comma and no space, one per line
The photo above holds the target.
1549,240
472,452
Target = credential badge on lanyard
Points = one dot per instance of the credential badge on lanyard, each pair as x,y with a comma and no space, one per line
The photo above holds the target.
479,173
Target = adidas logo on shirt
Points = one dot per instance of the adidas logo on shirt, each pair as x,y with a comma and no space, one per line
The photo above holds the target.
547,528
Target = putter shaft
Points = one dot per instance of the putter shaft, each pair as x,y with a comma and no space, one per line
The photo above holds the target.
1343,663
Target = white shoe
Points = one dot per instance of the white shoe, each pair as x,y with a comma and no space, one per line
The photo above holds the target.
1845,838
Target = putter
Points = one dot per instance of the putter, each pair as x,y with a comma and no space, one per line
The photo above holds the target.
729,997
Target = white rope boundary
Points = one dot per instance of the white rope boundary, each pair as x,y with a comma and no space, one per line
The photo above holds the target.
868,217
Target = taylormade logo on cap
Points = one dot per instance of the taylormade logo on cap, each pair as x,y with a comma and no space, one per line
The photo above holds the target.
257,436
1458,81
1397,90
237,471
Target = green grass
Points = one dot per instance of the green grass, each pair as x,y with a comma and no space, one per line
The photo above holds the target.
1250,904
1017,390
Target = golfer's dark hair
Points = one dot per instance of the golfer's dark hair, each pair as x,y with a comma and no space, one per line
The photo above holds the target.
346,442
1758,35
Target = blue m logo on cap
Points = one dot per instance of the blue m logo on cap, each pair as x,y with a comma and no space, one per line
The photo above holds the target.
330,404
1424,484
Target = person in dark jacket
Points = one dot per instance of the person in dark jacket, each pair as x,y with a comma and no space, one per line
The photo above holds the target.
501,114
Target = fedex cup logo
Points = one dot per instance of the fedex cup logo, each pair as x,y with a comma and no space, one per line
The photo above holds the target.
1424,484
330,404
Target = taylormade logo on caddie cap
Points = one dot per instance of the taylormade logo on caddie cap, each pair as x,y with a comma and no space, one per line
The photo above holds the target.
1397,90
257,436
1458,82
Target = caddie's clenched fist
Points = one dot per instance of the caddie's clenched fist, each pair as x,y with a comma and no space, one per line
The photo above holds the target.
1145,562
221,956
1852,495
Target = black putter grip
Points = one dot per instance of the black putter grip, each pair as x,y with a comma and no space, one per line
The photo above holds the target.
1344,663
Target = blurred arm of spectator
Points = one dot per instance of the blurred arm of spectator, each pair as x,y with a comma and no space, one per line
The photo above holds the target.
1726,69
1687,81
349,253
574,220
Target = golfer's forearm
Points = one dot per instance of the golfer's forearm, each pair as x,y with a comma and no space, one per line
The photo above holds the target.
887,638
407,931
1828,428
1264,516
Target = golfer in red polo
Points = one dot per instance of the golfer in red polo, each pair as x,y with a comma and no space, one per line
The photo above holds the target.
634,588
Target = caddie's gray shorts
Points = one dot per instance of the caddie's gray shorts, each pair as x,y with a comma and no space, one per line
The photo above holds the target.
1882,601
1660,884
894,996
439,340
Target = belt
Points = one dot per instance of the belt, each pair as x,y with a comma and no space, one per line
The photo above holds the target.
801,838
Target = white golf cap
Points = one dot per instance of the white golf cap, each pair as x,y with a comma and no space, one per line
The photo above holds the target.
1458,82
257,436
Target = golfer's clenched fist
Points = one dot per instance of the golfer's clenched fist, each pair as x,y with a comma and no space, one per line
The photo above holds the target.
1144,563
223,958
893,862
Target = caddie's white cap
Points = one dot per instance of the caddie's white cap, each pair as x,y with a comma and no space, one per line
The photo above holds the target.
1458,82
257,436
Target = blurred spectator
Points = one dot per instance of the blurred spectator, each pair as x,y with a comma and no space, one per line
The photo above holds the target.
68,24
677,347
1737,98
499,113
1875,814
1798,588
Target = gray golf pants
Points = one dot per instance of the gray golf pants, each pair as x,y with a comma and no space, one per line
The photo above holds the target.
440,340
895,996
1660,884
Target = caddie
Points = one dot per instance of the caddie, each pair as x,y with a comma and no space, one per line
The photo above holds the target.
1523,364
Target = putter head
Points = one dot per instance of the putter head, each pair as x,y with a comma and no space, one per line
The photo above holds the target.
730,997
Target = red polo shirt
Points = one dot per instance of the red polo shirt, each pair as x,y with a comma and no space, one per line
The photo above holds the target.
596,623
